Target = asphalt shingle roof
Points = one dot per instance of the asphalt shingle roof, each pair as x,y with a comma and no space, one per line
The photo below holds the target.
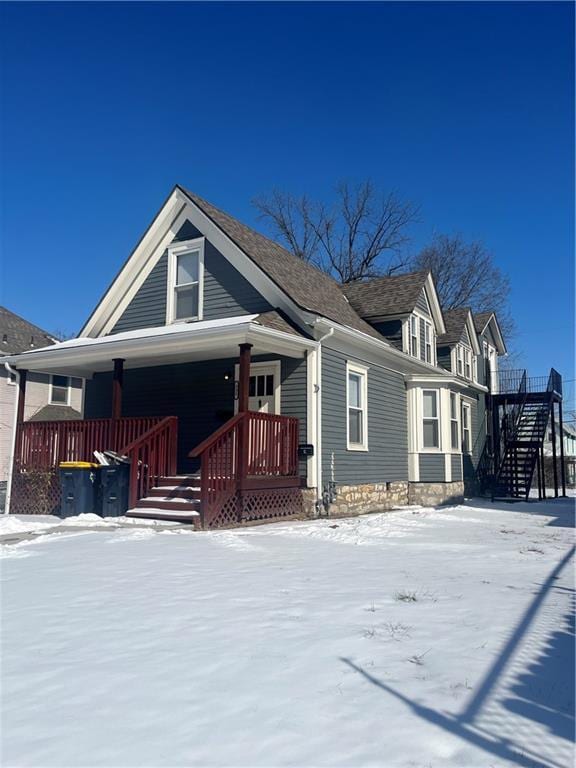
392,295
454,321
480,320
18,335
310,288
56,413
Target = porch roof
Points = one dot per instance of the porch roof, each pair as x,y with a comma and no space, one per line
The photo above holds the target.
169,344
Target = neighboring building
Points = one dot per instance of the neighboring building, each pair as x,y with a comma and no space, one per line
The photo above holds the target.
48,397
369,395
569,446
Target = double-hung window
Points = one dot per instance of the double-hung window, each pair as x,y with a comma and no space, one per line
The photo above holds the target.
357,407
430,419
466,429
60,390
414,336
427,341
454,427
464,361
185,271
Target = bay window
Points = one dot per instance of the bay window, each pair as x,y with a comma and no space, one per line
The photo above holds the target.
466,429
454,426
430,419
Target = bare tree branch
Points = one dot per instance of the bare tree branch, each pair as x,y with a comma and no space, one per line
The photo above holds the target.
360,236
465,275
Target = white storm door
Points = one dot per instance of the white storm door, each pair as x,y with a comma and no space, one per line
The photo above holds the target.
263,387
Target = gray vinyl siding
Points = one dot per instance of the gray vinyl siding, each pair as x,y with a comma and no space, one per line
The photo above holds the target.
478,423
387,456
226,292
392,331
465,338
456,463
444,357
197,393
422,303
432,468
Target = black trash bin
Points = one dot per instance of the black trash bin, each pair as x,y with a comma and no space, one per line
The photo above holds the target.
79,484
114,487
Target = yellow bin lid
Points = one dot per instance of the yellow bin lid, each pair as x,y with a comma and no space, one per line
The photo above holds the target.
77,465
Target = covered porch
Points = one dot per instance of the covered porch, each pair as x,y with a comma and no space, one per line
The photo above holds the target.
218,407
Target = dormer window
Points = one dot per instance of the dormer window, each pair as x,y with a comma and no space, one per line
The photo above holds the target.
414,336
185,278
428,346
464,361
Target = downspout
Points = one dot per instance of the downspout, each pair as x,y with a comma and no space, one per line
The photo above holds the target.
319,490
13,372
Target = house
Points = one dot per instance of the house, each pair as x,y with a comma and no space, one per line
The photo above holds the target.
244,384
48,397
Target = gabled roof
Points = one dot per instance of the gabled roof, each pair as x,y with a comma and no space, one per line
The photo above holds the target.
482,320
18,335
285,280
393,295
390,295
456,321
308,286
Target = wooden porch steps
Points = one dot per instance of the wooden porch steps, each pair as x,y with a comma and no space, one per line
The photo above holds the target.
175,498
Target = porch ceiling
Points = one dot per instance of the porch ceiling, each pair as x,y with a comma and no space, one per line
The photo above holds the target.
177,343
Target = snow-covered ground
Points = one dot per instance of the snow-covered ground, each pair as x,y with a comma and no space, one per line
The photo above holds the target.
416,638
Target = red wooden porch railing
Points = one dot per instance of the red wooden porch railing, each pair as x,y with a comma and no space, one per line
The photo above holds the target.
152,455
44,444
250,445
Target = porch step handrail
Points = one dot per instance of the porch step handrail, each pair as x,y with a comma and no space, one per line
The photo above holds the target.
152,455
250,444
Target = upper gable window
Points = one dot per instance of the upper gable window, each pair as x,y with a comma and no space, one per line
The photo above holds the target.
185,273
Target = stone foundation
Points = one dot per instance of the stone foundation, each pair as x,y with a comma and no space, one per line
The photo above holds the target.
434,494
369,497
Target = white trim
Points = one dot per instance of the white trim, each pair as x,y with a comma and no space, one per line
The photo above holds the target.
276,367
175,250
465,405
312,404
457,399
437,418
362,372
59,386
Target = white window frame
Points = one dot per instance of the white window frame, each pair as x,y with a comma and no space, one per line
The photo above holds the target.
463,359
437,418
428,341
362,372
466,444
416,335
453,399
68,389
175,250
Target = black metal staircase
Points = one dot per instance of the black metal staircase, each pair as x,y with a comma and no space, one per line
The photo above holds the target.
522,411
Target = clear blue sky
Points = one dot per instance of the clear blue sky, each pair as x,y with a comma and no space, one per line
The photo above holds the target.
467,109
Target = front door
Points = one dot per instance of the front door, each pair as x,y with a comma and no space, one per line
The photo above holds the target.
263,389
